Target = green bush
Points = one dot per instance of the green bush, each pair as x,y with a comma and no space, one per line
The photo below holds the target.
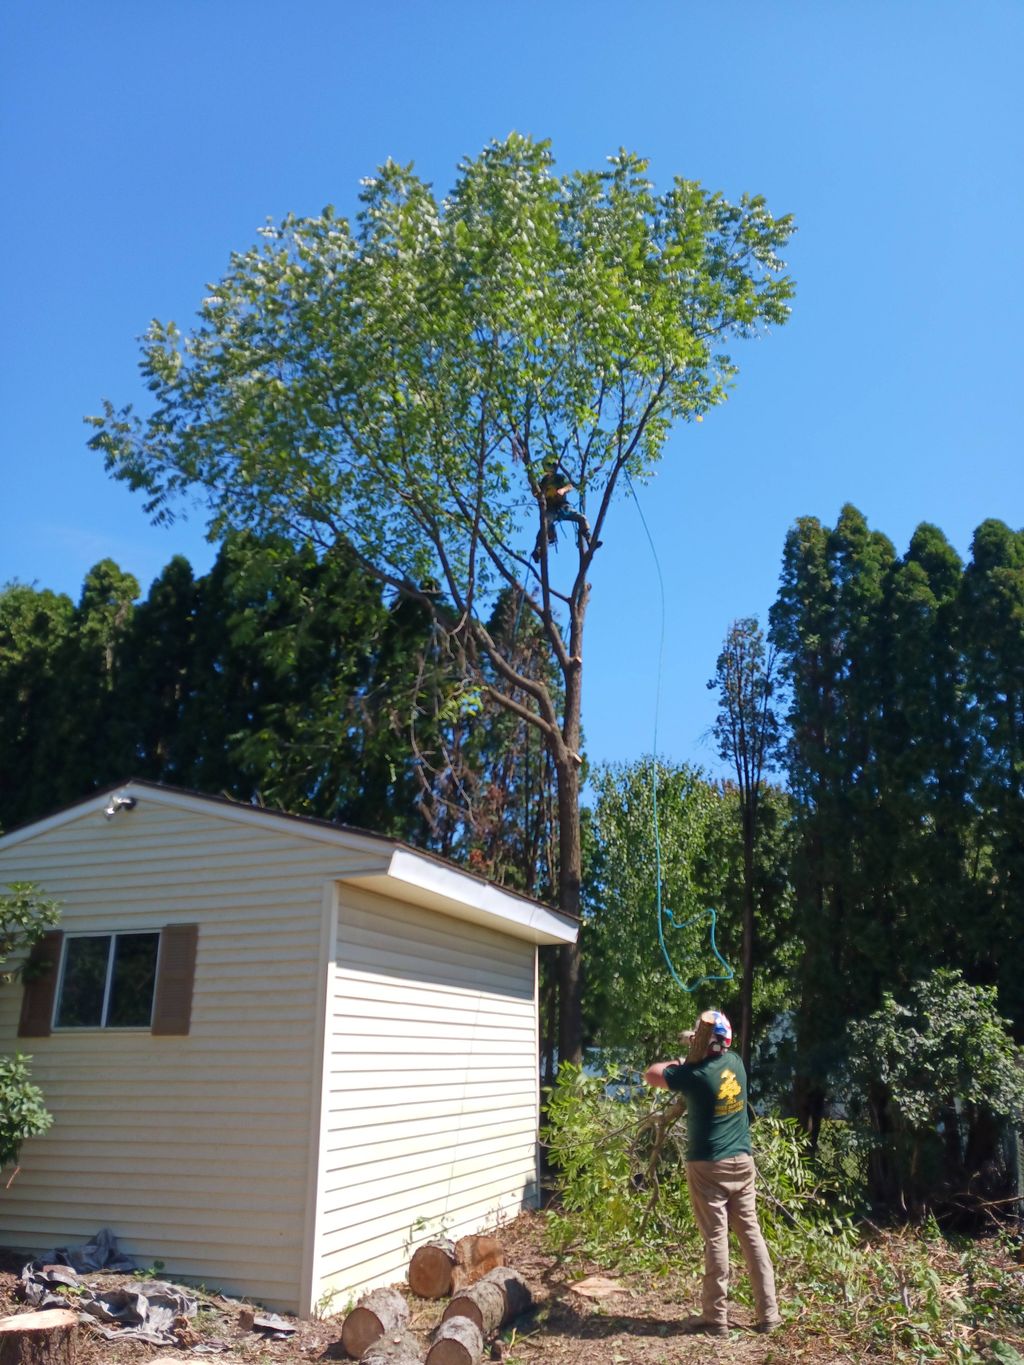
909,1296
22,1112
620,1200
25,915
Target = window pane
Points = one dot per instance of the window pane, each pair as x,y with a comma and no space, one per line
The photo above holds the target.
85,976
131,990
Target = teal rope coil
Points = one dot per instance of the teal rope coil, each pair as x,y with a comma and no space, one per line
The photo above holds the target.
663,910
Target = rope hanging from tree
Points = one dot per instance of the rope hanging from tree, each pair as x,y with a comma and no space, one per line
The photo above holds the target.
664,913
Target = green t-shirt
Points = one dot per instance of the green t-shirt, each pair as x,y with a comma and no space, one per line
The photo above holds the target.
716,1106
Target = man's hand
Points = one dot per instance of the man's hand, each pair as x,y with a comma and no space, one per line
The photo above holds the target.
655,1073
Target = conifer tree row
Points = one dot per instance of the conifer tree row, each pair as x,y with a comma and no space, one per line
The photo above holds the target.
280,678
905,762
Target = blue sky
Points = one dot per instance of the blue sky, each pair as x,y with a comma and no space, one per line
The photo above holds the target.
143,143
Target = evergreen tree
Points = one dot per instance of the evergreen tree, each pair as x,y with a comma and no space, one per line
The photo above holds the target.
34,626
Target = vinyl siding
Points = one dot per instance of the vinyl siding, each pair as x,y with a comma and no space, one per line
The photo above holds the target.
194,1150
431,1088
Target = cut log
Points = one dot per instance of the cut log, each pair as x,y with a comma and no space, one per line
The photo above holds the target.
483,1304
493,1301
430,1270
698,1048
442,1267
474,1257
379,1313
458,1341
46,1338
514,1291
393,1349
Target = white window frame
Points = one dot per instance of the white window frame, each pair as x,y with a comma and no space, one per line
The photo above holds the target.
113,935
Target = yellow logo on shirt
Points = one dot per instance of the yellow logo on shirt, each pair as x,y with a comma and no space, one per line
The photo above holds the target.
730,1086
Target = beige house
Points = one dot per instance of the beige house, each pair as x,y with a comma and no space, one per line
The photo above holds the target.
279,1053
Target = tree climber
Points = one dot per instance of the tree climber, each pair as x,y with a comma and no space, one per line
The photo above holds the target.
552,493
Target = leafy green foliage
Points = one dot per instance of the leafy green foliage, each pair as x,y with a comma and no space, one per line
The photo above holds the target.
382,379
616,1203
631,998
22,1111
633,1005
928,1072
907,1297
406,382
25,915
747,731
905,755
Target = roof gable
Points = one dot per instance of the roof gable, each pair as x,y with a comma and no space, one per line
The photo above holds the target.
386,866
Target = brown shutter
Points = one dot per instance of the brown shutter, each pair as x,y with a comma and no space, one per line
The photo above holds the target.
172,1007
39,978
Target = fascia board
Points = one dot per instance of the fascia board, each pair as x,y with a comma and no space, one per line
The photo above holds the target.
92,805
422,881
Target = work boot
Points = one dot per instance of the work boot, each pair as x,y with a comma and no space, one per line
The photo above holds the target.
698,1326
768,1324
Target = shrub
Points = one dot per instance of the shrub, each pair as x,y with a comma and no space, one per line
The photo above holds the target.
22,1112
25,915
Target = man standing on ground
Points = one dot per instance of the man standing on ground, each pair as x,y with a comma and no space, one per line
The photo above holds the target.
720,1175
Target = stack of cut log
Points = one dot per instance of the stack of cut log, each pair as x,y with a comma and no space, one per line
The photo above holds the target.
486,1296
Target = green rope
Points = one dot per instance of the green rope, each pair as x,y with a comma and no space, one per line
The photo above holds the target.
664,913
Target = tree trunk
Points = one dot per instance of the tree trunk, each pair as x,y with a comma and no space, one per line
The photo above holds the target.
458,1342
381,1312
46,1338
570,1022
747,983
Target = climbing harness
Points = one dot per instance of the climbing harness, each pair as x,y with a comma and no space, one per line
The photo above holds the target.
664,913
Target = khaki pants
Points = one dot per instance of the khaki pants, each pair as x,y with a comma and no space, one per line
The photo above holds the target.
722,1194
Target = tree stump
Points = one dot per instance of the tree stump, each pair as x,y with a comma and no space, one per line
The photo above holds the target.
441,1267
483,1304
514,1291
46,1338
400,1349
458,1341
383,1312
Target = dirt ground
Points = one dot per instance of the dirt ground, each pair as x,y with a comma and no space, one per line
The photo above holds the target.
637,1323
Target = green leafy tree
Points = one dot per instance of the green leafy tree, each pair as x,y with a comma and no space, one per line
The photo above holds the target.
747,733
633,1004
25,915
407,383
634,1007
934,1071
